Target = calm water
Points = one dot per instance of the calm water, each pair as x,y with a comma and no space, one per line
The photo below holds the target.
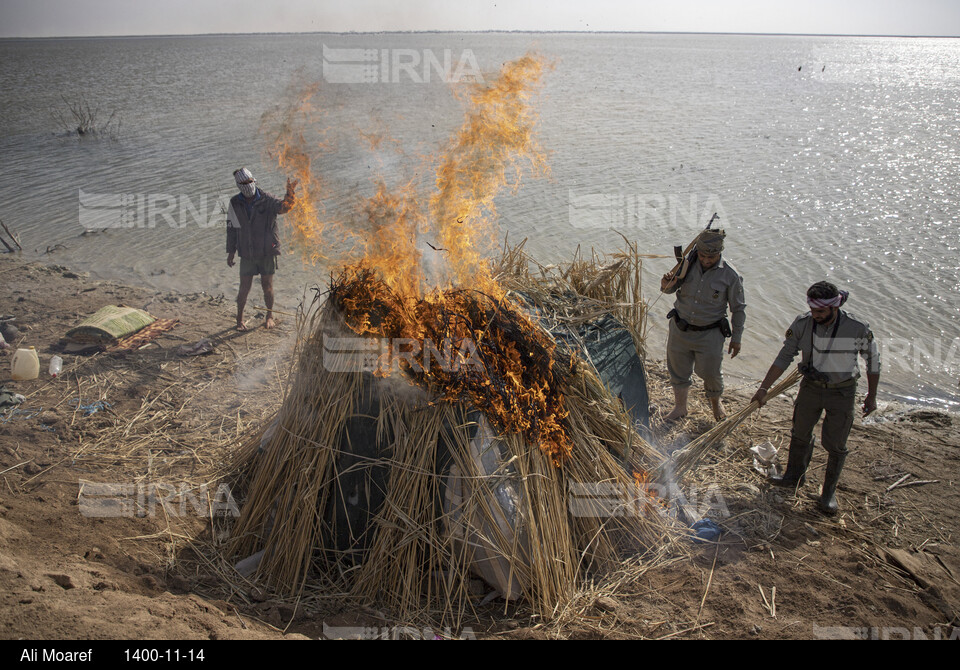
832,158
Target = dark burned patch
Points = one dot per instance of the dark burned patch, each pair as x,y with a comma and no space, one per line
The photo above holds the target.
931,417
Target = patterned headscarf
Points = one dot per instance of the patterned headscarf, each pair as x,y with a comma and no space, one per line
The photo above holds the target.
246,182
836,301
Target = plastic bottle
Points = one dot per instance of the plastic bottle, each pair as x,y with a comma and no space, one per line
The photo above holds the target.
25,364
56,365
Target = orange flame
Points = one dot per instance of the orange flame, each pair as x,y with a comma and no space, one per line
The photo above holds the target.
646,494
486,154
513,380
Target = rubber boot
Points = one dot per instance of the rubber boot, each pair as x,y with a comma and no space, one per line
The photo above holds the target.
828,496
797,462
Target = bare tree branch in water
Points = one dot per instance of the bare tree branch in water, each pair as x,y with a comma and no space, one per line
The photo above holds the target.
84,119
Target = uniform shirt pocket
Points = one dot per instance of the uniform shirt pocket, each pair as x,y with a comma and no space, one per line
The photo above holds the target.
716,292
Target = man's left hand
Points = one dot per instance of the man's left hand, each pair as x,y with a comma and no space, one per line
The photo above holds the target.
733,349
292,185
869,405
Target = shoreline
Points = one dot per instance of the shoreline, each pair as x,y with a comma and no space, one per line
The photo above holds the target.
891,403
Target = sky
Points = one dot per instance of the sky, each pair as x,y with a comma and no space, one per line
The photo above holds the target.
58,18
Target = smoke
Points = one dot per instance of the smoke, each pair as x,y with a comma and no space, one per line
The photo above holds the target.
258,372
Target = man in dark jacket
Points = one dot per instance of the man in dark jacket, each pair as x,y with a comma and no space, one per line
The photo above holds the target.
252,231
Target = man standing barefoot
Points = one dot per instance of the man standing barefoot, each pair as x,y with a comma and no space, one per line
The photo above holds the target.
699,325
252,231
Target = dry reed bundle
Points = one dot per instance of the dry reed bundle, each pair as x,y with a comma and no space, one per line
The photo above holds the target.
582,290
443,494
685,460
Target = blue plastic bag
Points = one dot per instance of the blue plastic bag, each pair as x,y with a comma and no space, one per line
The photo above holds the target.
705,530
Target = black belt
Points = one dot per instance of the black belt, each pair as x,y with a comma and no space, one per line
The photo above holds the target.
831,385
722,324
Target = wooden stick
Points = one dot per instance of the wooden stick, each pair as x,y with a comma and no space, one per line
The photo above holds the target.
13,468
919,482
709,581
882,477
766,603
898,482
687,630
275,311
12,237
773,602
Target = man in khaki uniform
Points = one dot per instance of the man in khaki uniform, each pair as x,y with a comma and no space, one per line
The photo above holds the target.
829,341
698,323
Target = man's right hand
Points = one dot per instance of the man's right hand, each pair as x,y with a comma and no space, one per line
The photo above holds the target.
230,262
667,281
760,397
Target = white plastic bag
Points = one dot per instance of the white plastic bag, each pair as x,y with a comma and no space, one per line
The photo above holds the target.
765,459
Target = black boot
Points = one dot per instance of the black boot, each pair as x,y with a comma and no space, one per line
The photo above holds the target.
828,497
797,462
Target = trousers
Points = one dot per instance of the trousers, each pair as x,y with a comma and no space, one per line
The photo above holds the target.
838,407
695,351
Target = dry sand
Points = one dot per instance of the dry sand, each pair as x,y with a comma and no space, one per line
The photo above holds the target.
887,566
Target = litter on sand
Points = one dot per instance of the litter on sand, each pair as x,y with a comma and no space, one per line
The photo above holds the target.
765,459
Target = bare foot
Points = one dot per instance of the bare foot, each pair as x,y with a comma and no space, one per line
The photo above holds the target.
718,413
270,323
675,415
242,327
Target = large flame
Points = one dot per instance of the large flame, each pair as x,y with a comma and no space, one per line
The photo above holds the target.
488,153
292,152
382,290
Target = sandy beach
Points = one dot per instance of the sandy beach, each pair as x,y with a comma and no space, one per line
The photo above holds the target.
887,566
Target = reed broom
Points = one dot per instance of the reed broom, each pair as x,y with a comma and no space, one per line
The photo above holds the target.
688,458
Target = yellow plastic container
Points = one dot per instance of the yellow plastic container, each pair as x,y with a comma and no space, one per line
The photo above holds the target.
25,364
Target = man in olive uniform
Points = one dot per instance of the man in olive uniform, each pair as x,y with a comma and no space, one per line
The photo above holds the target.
698,323
252,230
829,340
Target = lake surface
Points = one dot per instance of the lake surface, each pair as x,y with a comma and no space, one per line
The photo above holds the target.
831,158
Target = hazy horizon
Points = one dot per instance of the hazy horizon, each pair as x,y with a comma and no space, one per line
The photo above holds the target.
455,32
27,19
